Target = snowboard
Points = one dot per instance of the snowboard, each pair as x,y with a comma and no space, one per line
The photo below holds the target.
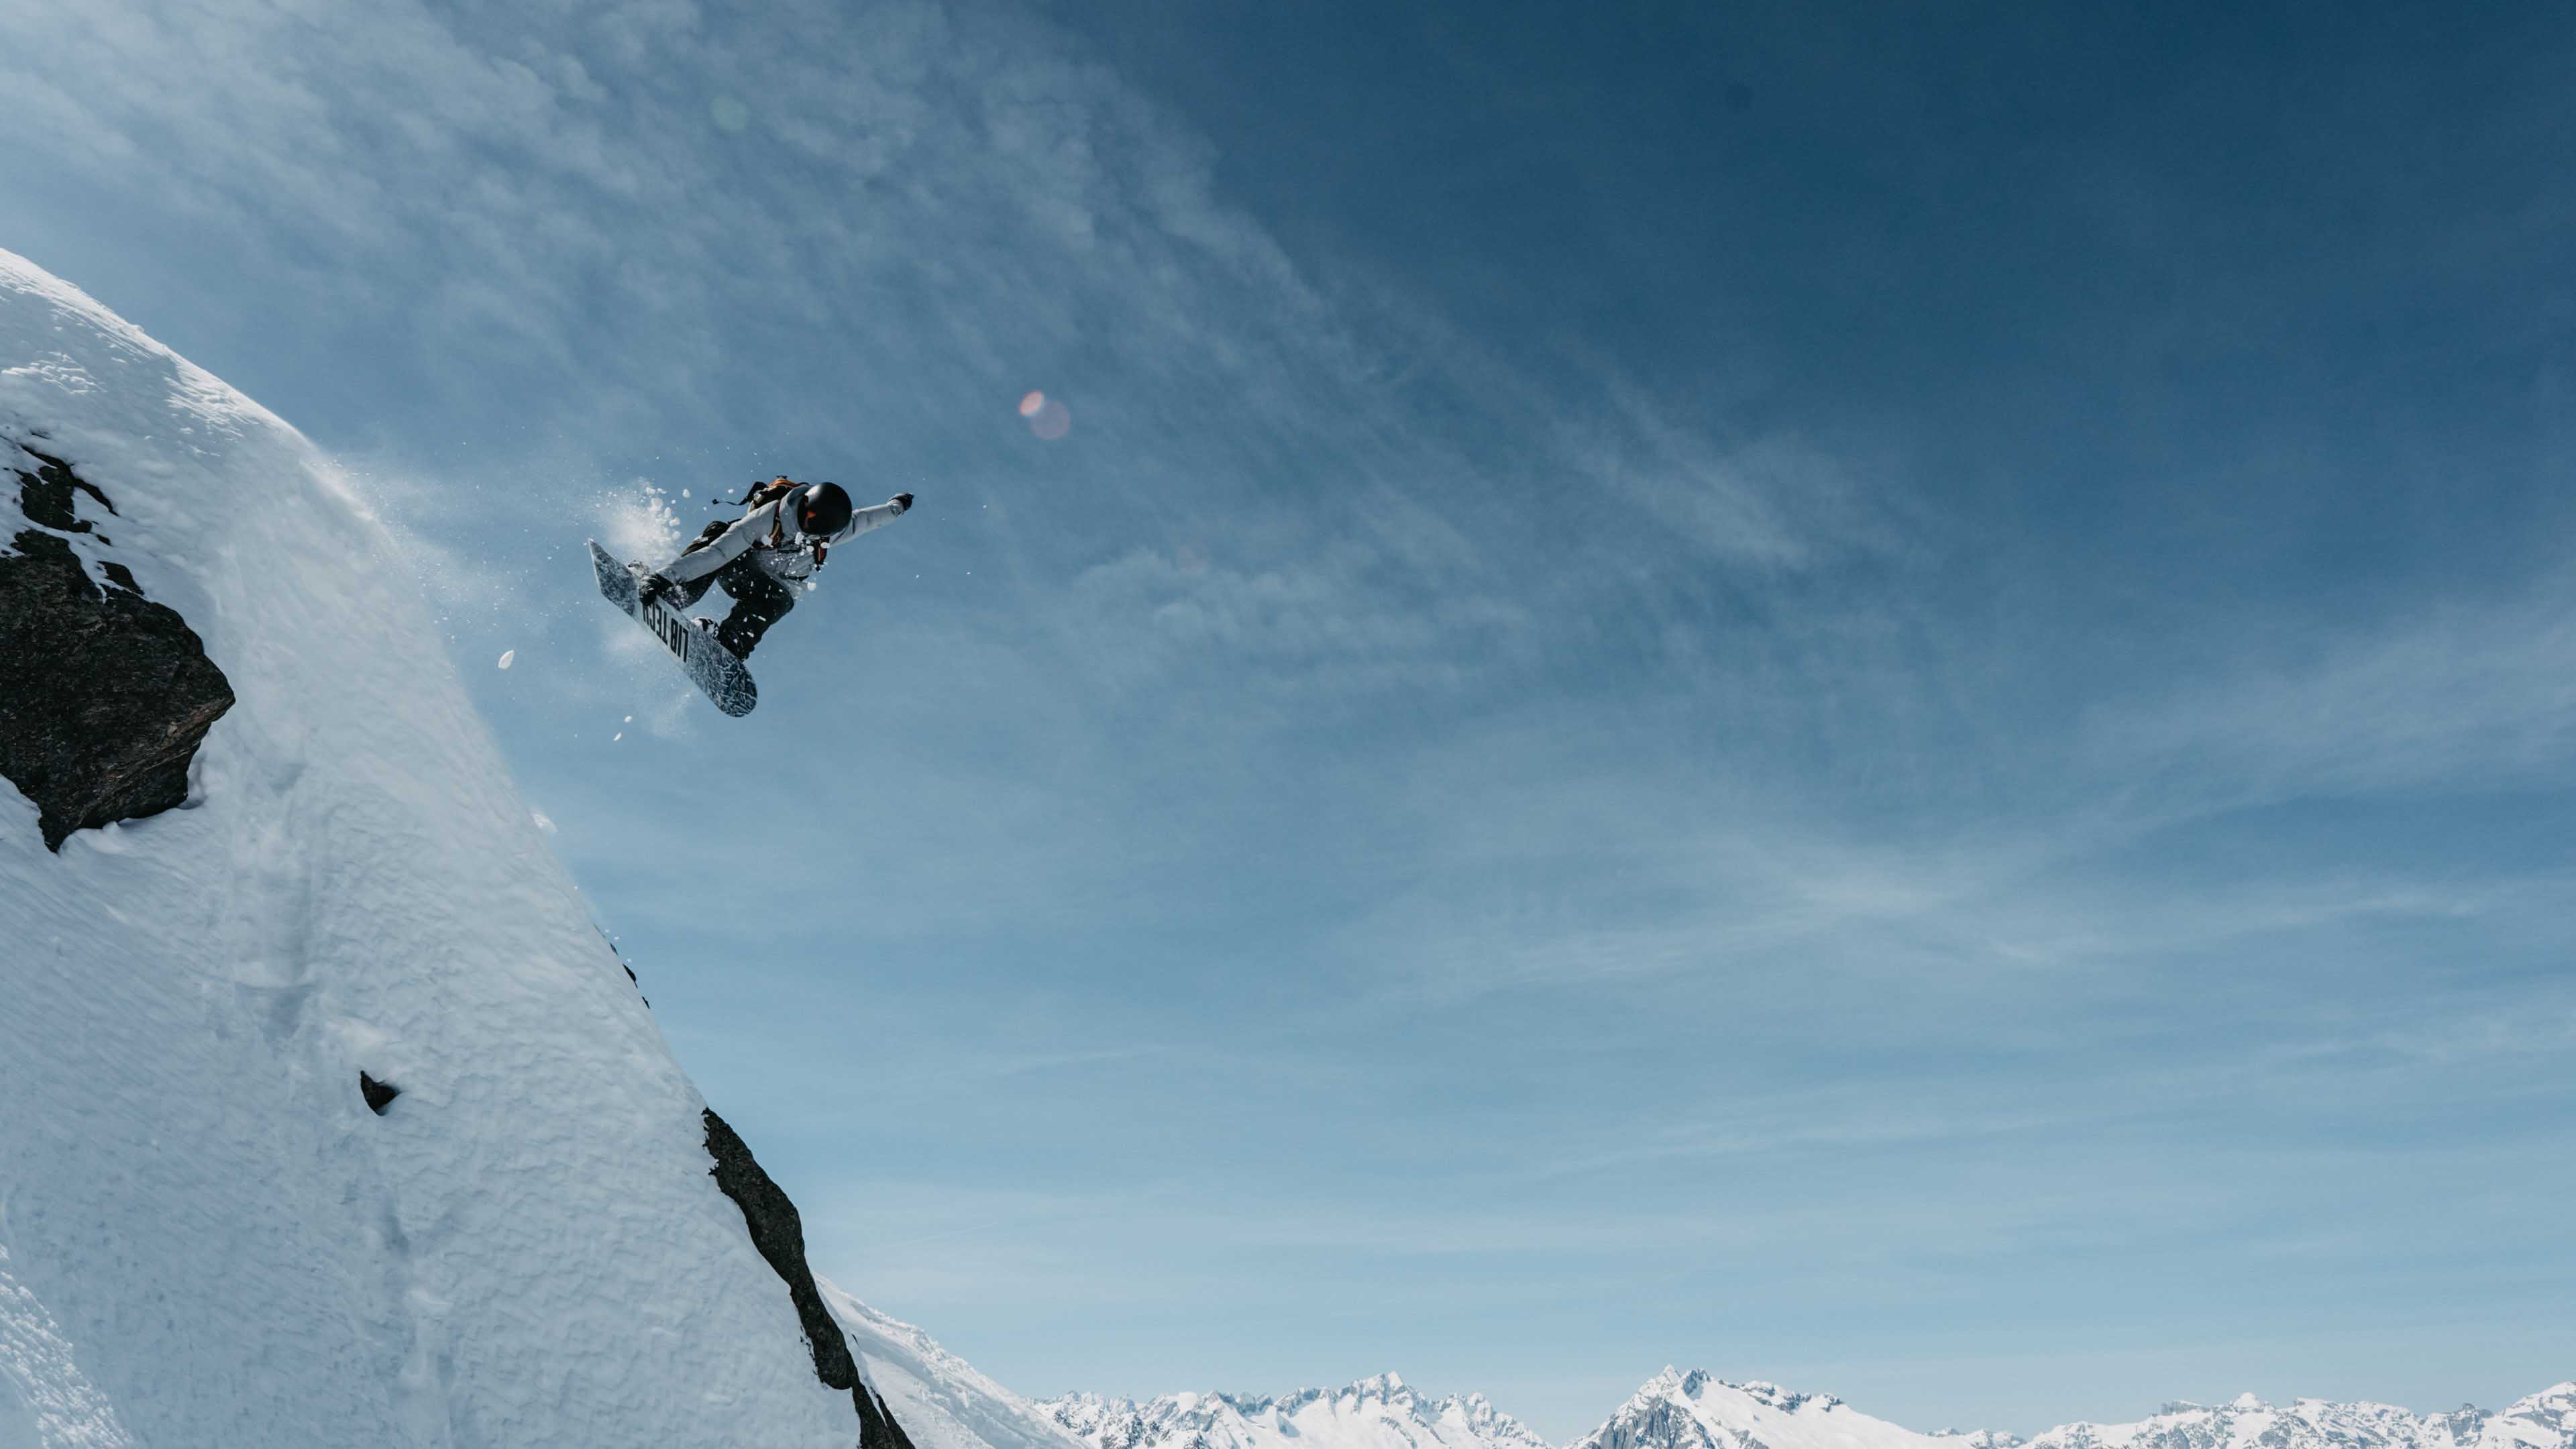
709,665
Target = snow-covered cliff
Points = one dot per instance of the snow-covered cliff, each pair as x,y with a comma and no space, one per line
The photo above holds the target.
326,1116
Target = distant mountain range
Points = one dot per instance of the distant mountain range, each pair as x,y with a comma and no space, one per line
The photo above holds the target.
1696,1411
1379,1413
948,1405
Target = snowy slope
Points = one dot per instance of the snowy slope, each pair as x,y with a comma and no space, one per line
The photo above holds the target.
940,1399
206,1236
1376,1413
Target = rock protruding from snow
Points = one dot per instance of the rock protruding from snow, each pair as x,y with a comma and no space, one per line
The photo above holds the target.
104,694
778,1231
1383,1412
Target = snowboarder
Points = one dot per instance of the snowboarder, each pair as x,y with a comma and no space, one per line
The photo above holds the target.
764,558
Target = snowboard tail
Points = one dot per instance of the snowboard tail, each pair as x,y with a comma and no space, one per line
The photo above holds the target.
710,666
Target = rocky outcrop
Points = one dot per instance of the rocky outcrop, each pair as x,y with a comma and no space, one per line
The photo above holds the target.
877,1428
45,494
104,694
778,1233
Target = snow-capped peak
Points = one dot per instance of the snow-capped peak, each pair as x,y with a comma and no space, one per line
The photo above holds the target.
1666,1382
1698,1410
2558,1399
2540,1421
1674,1410
1378,1412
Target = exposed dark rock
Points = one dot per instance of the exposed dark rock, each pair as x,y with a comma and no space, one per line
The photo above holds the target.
104,695
877,1428
379,1095
779,1234
45,495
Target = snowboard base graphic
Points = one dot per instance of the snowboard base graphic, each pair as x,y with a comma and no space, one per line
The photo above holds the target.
710,666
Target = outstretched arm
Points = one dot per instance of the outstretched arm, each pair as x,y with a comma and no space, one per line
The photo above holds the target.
874,516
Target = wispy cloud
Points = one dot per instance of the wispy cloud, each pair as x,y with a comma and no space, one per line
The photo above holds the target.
568,199
2464,696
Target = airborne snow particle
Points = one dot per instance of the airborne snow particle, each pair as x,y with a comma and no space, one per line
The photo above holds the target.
508,655
1029,405
1052,420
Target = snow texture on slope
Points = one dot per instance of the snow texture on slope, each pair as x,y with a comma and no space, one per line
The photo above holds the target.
208,1239
1376,1413
940,1399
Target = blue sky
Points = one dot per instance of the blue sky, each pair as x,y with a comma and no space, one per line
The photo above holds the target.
1871,696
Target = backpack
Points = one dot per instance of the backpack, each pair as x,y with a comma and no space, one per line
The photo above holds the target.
765,492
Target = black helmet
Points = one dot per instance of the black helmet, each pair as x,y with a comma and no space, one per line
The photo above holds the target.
822,510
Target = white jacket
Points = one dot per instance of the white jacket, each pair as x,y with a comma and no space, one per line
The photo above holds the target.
770,535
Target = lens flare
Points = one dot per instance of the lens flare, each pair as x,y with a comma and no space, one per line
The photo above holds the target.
1029,405
1051,421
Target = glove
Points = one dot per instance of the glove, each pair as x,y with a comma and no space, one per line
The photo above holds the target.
903,503
652,589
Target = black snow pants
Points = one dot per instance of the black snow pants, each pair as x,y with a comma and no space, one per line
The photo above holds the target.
758,602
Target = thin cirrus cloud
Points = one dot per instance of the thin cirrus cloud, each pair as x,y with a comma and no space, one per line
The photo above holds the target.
2466,696
562,190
